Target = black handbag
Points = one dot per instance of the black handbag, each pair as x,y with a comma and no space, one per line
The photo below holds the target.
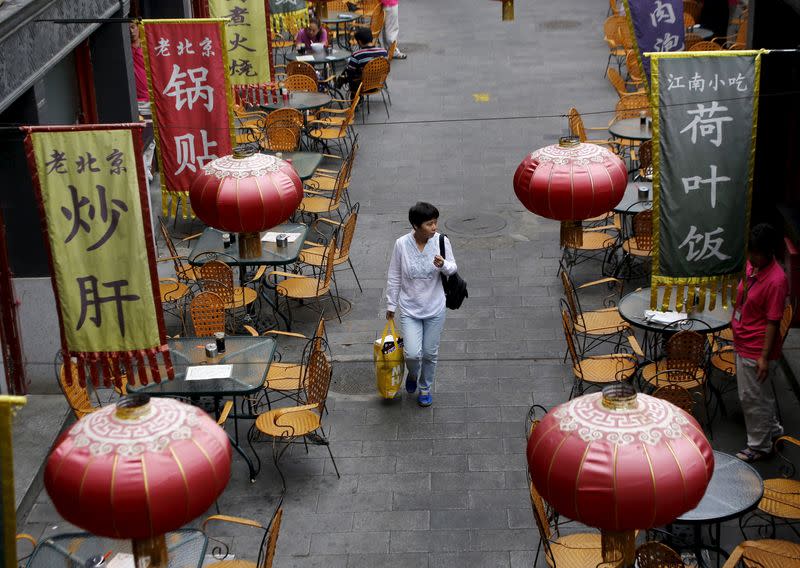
455,288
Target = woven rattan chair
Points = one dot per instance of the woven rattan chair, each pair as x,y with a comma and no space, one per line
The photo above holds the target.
765,553
632,106
596,371
635,71
207,311
686,358
657,555
577,128
705,46
174,296
300,84
282,139
639,244
690,39
77,396
185,273
326,180
644,155
593,327
314,253
376,23
781,501
325,132
269,540
217,277
580,244
373,81
316,203
575,550
688,20
286,117
286,424
302,288
693,8
619,84
285,378
613,38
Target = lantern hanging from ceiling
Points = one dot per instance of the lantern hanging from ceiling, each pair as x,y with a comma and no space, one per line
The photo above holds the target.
138,470
246,194
620,461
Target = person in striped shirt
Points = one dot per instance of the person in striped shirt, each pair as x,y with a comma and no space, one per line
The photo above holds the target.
366,52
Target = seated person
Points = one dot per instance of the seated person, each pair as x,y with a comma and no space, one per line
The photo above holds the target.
312,33
366,52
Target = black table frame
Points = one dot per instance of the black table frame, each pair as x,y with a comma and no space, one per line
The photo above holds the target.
152,390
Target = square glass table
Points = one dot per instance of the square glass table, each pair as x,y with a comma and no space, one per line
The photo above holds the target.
250,358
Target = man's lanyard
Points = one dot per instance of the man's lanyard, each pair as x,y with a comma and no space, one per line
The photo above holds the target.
749,281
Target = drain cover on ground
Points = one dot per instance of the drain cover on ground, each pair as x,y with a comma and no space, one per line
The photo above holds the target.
353,378
559,24
477,225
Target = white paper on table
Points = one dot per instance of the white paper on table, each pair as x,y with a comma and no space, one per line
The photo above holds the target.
206,372
664,317
121,560
305,58
270,236
347,16
330,57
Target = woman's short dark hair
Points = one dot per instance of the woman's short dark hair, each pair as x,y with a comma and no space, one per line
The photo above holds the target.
421,213
363,35
764,239
313,20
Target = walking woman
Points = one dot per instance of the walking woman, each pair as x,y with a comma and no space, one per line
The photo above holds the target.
414,287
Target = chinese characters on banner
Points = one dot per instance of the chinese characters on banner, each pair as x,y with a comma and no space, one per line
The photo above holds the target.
657,26
704,133
191,100
96,222
248,42
287,16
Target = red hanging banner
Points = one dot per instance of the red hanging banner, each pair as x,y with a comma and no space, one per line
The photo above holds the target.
187,71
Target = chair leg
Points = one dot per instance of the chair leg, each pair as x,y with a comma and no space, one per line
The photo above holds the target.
385,105
330,453
335,307
355,275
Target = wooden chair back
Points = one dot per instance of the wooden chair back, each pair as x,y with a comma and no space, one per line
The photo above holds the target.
271,539
617,82
786,322
391,50
301,68
569,296
173,253
283,139
693,8
217,277
566,324
645,155
677,395
324,283
542,523
643,230
686,351
77,396
317,378
376,21
632,106
705,46
688,20
208,314
611,30
657,555
287,117
634,67
576,126
626,37
300,83
348,231
335,6
374,74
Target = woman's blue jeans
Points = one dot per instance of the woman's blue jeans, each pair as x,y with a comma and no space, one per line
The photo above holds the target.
421,346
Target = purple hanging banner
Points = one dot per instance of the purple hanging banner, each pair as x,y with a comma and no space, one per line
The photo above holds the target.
657,26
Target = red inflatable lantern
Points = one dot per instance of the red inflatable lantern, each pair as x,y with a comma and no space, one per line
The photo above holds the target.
570,181
246,194
139,470
620,461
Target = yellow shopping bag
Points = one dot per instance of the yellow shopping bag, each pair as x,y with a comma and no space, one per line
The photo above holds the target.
389,361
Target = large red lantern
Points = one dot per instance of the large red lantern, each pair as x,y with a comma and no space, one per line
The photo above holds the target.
246,194
570,181
620,461
139,470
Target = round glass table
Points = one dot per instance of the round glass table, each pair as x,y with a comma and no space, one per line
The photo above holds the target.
632,309
631,129
632,202
321,58
300,101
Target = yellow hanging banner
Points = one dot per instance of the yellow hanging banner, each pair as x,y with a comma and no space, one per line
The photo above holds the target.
248,40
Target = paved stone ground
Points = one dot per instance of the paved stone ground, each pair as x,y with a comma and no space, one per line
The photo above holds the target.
446,486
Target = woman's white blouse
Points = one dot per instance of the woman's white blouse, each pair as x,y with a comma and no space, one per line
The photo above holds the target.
414,284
